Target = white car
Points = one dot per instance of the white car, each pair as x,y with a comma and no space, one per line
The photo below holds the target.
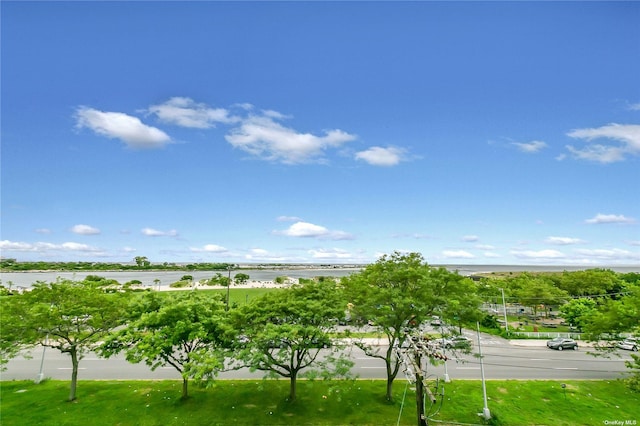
630,344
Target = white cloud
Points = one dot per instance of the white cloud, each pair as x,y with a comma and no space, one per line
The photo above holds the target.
458,254
150,232
541,254
42,247
563,240
610,254
470,238
117,125
624,140
609,218
530,147
209,248
262,255
634,107
485,247
187,113
263,137
43,231
330,254
378,156
85,230
309,230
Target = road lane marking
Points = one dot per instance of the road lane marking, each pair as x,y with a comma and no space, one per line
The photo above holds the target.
565,368
539,359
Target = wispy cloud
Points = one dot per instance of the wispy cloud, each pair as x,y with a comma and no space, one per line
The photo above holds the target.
85,230
150,232
42,247
379,156
263,137
185,112
623,140
460,254
117,125
331,254
538,255
530,147
470,238
563,240
609,218
610,254
310,230
209,248
288,219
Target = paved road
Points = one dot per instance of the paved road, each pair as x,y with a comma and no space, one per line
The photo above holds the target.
502,359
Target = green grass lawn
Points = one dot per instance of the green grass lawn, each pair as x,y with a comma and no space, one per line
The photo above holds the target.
359,402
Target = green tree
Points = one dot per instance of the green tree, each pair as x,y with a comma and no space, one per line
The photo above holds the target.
168,330
142,261
284,331
537,292
614,317
590,282
397,292
72,317
241,278
577,312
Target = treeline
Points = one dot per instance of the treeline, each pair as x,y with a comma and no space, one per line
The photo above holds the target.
282,333
12,265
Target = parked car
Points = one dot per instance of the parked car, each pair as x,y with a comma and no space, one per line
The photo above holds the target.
630,344
456,342
561,343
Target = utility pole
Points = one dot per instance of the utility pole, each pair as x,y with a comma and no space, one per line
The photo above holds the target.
504,308
412,358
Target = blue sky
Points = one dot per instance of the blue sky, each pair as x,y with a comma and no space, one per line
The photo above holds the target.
321,132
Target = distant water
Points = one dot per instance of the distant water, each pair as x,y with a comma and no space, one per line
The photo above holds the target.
26,279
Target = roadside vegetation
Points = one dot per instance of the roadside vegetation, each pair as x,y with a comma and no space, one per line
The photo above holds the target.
294,331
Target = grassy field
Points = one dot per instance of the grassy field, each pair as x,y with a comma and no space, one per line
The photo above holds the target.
360,402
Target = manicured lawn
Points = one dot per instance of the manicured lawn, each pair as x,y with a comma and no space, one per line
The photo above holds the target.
360,402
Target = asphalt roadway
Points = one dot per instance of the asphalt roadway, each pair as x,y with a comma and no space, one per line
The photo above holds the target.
502,359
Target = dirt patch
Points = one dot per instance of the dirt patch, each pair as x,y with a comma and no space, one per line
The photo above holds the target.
503,390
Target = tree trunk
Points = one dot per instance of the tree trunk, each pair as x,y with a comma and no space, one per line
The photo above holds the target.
74,373
292,386
389,388
185,388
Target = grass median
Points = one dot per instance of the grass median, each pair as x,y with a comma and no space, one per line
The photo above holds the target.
358,402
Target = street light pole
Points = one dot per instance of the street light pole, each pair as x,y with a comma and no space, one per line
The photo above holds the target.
41,373
486,414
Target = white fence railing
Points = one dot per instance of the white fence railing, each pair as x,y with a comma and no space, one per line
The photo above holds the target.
547,334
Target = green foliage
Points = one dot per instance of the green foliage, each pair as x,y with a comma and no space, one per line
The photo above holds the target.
241,278
71,317
490,321
284,331
402,291
167,331
577,312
